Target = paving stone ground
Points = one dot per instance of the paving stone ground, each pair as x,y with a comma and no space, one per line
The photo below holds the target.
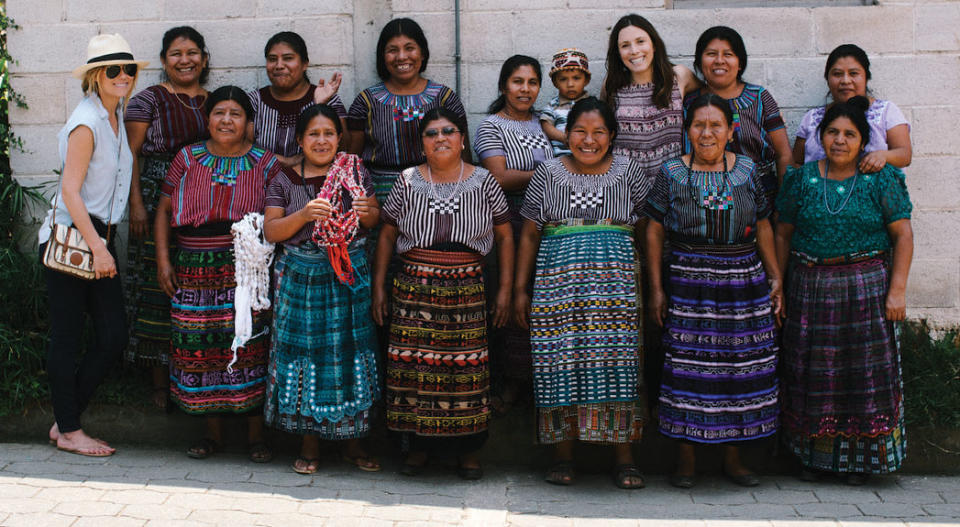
40,486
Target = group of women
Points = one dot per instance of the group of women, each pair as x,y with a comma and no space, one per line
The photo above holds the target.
680,219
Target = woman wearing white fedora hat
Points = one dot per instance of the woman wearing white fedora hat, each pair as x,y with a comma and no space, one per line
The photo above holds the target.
91,199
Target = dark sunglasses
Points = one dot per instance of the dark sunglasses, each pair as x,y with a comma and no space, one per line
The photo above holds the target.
445,131
114,70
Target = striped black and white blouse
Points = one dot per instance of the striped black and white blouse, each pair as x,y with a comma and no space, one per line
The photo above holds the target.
444,214
522,143
555,194
275,121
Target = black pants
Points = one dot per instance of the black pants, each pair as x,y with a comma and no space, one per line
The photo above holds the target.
71,300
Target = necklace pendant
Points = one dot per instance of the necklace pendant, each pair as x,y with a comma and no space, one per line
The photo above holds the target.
842,190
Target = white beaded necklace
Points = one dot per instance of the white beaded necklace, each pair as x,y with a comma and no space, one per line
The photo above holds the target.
433,186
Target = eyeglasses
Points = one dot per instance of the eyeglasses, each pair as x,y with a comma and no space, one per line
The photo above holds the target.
113,70
445,131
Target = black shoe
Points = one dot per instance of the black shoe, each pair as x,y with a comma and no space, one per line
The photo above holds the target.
682,481
744,480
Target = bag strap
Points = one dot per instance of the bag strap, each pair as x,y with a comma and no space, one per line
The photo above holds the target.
56,195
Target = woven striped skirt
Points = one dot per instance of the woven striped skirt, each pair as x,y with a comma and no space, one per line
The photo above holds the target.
585,335
719,373
843,401
148,307
438,373
322,375
201,324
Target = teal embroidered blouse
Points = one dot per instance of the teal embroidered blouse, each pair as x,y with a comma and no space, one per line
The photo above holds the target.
877,200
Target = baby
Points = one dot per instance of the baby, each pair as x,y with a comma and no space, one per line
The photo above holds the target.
570,74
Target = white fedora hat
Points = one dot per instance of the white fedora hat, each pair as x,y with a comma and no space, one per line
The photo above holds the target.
105,50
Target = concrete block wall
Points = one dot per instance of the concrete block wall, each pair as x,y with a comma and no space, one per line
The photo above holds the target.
914,47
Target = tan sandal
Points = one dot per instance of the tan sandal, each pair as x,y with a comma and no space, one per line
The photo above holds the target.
310,465
364,462
97,451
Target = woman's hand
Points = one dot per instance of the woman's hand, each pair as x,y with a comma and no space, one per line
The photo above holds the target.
501,308
139,227
378,304
316,209
873,161
896,305
104,265
658,305
166,277
776,300
364,206
325,90
521,308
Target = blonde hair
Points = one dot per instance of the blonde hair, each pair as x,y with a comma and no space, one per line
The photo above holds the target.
91,83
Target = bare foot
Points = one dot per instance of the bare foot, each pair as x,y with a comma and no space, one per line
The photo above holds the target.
54,435
159,397
354,453
78,442
732,464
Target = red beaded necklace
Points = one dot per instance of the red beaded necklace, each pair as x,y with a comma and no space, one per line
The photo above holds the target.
339,229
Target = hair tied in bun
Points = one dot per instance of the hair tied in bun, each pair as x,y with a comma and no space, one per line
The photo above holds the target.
855,108
859,102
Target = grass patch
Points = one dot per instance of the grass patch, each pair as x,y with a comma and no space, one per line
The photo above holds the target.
931,376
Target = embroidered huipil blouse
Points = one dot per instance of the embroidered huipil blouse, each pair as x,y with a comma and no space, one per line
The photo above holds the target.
205,188
860,227
291,192
176,120
275,121
425,218
391,122
522,144
646,133
555,194
708,208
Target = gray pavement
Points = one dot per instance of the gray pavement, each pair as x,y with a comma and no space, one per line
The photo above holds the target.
40,486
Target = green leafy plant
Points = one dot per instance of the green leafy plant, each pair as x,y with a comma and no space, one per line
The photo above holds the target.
931,376
7,93
22,314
